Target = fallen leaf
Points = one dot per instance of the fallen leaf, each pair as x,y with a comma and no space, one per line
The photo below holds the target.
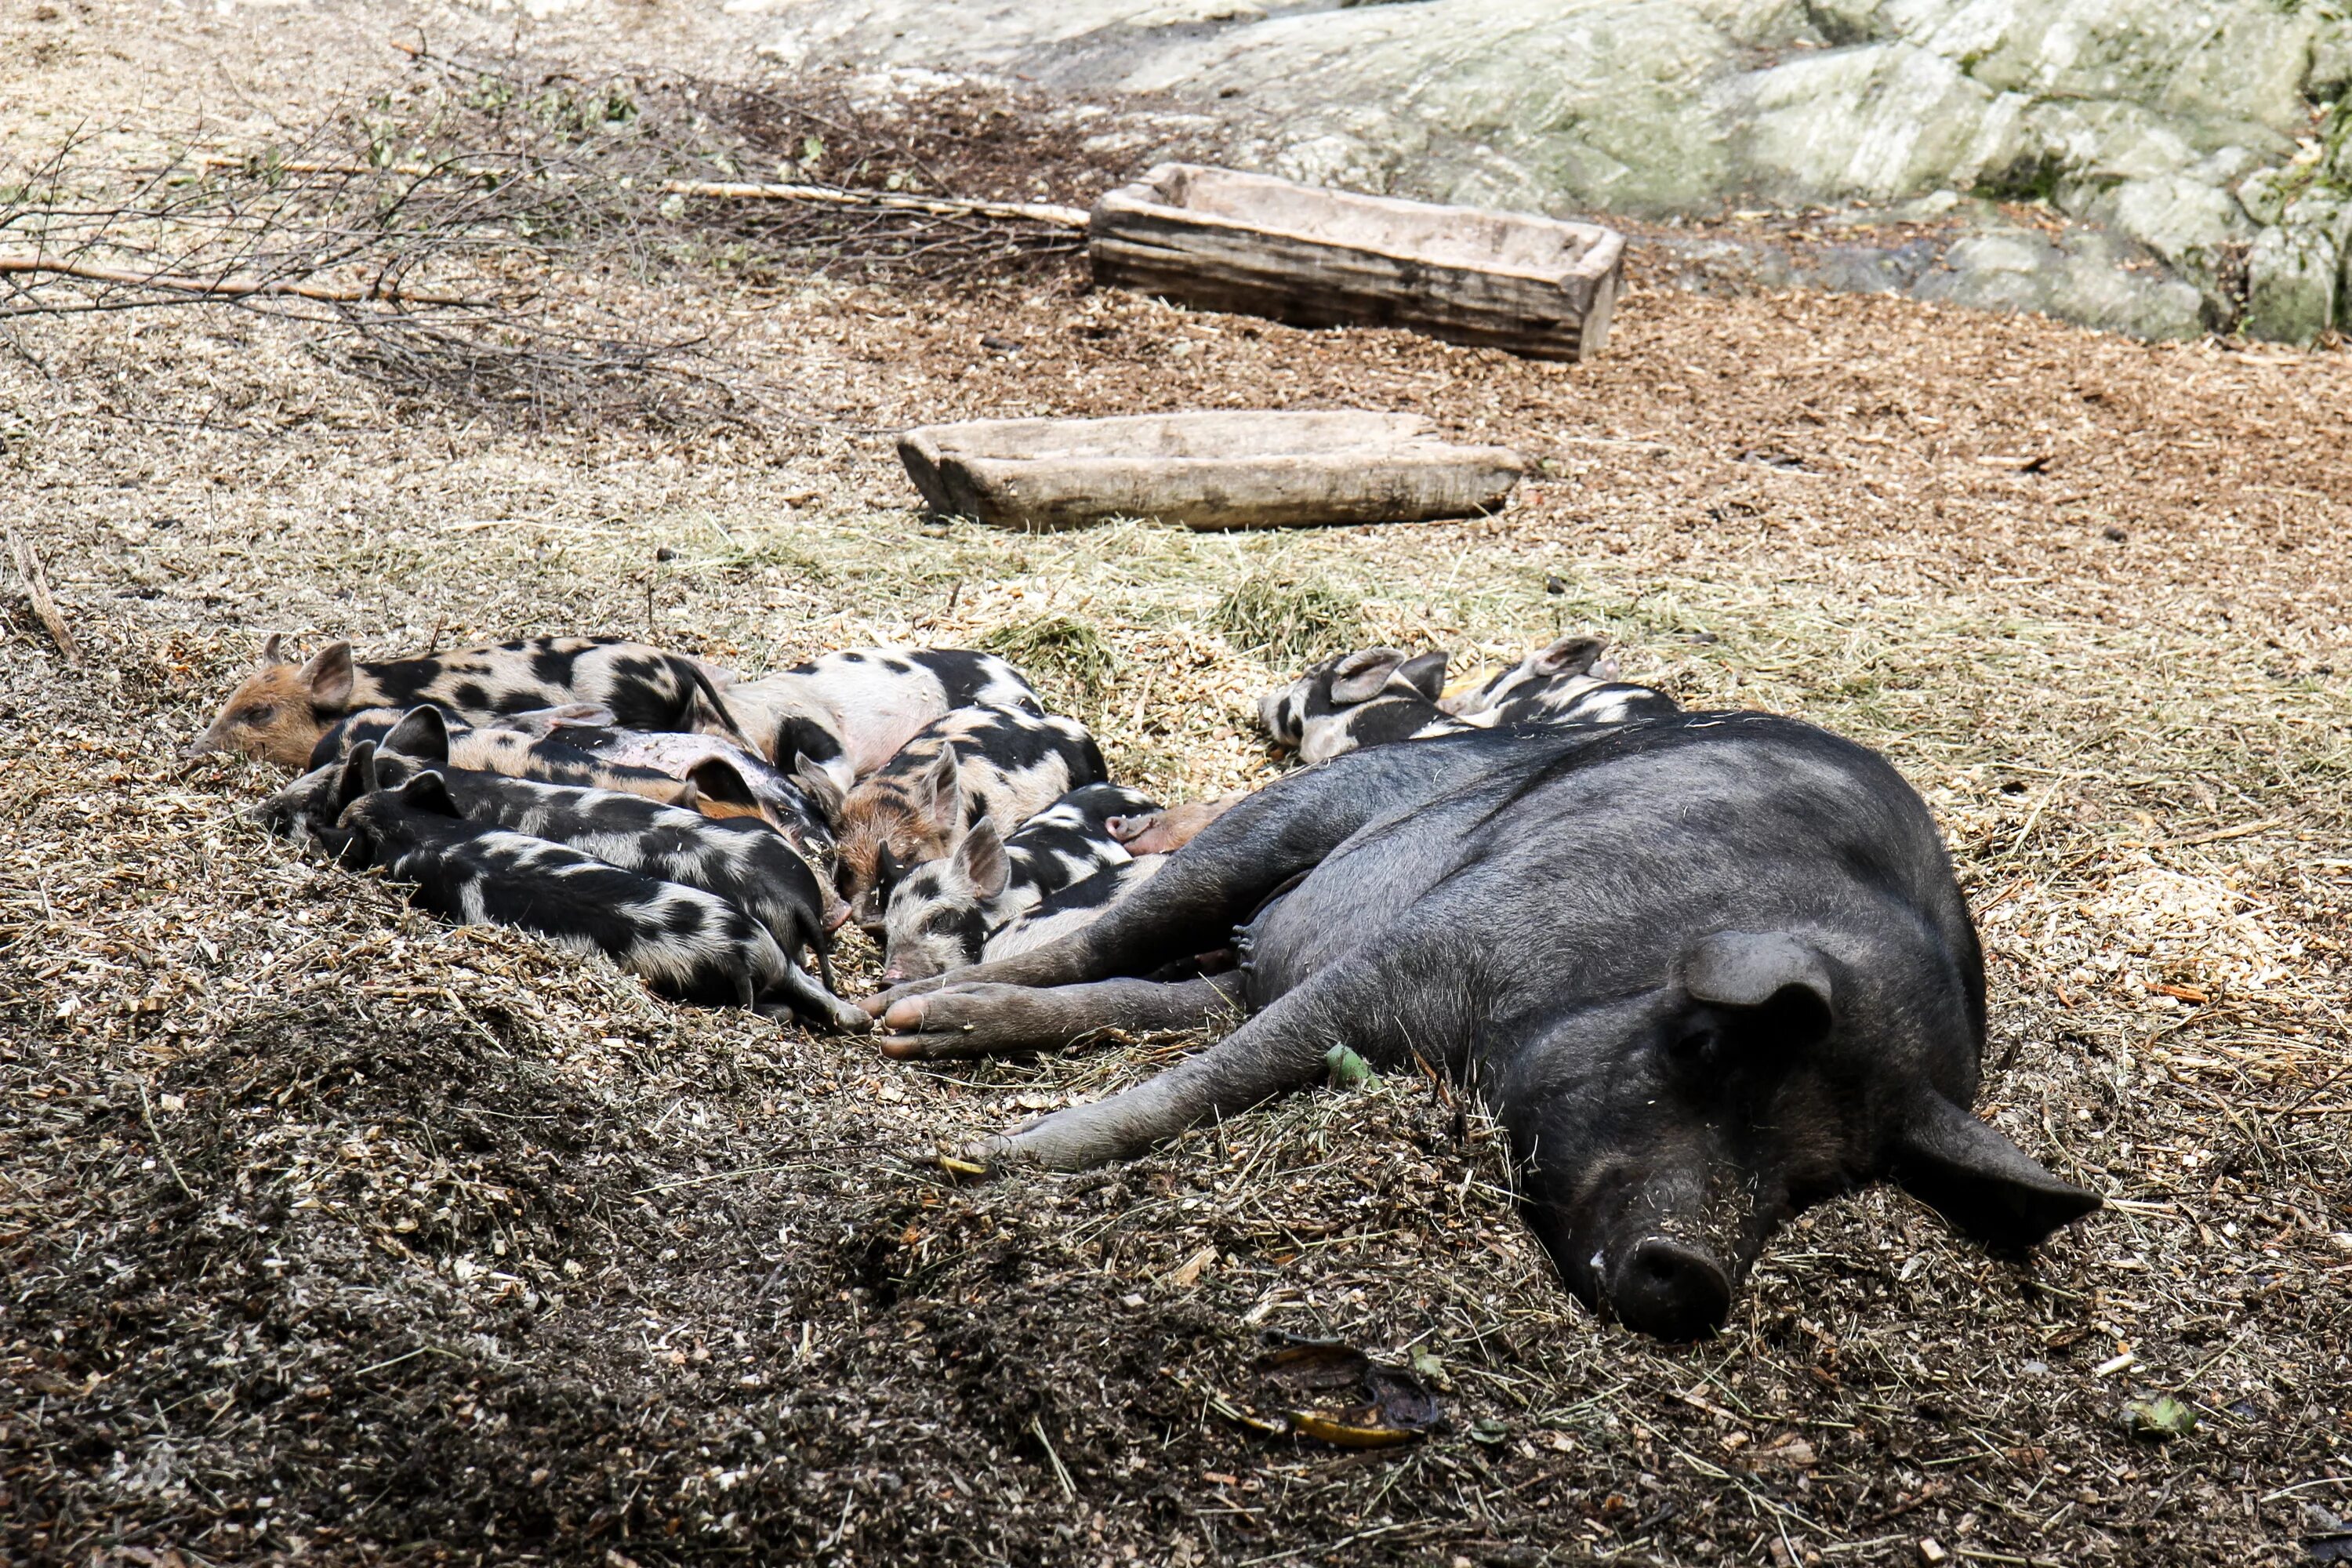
1790,1453
1188,1273
2161,1419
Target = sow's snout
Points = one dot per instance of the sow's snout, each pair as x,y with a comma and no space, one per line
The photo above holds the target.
1656,1256
1669,1289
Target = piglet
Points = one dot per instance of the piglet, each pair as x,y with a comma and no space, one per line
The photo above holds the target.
430,732
1164,832
1571,681
745,862
282,710
1371,698
729,780
940,915
1069,910
682,941
849,713
999,765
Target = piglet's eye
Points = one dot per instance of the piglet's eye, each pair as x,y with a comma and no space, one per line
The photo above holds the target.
259,713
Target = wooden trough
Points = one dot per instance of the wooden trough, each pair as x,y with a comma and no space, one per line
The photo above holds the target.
1208,471
1226,241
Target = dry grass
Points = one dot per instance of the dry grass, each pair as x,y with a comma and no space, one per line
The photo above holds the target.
329,1230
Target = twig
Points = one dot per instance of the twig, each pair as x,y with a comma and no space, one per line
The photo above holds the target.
1069,1488
937,206
147,1111
36,589
719,190
226,288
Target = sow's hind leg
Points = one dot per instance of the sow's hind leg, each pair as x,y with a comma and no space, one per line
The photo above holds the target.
1220,879
1278,1049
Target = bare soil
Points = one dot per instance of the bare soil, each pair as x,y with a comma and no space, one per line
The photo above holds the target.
329,1233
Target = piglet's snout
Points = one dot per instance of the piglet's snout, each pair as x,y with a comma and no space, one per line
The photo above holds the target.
1668,1288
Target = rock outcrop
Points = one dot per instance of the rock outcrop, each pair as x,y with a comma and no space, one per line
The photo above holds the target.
2189,144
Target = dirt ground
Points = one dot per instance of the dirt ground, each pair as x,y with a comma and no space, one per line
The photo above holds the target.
329,1233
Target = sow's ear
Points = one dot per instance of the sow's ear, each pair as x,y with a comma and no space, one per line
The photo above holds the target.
329,676
1769,972
707,715
937,793
423,732
980,858
428,792
358,777
1986,1185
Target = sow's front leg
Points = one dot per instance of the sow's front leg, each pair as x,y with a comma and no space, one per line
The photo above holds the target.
1221,877
1278,1049
986,1020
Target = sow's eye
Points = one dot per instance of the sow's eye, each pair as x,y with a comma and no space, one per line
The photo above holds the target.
1695,1047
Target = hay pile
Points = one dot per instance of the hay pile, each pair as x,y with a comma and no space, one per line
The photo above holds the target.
328,1231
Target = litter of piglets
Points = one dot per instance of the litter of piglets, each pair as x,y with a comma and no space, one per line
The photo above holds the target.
926,791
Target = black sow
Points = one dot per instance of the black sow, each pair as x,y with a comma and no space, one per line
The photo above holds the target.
1708,971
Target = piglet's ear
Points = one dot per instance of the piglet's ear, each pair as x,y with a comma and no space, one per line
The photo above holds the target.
938,793
818,786
1359,677
270,656
1770,971
720,781
981,860
1568,655
329,676
428,792
1984,1184
358,777
1425,673
707,715
423,732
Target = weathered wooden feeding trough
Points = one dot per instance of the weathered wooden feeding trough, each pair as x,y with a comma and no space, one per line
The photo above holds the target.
1207,471
1226,241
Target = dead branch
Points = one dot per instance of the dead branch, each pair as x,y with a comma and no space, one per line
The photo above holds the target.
719,190
225,288
36,589
937,206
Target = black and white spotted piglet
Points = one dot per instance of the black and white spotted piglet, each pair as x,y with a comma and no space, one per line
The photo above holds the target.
1073,909
1380,696
940,913
720,791
683,941
1371,698
740,860
1573,681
